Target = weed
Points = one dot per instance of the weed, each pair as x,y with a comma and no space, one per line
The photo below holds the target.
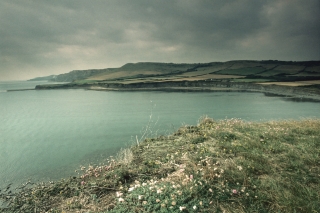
217,166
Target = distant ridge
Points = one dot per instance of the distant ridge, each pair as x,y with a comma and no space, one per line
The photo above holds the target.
252,68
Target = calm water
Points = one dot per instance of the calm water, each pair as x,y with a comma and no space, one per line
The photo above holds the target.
48,134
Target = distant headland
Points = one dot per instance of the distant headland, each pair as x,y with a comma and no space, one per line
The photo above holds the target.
299,79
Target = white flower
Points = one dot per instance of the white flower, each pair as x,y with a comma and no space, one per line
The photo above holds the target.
140,197
239,167
182,208
119,194
130,189
194,207
121,199
243,189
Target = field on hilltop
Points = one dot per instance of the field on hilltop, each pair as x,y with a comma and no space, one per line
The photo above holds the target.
299,79
271,70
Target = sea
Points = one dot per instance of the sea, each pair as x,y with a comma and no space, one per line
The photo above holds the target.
48,134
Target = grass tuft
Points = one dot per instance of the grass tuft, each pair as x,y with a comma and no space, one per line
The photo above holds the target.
216,166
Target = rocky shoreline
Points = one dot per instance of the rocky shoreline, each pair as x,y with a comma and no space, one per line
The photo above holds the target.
195,86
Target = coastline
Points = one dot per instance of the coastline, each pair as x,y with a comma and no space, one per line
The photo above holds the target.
226,165
298,93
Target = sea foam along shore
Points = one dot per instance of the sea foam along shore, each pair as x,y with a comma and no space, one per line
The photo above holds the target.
216,166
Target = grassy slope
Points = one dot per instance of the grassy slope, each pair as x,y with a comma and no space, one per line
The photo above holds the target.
253,71
216,166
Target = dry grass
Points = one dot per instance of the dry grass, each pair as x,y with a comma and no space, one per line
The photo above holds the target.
216,166
293,84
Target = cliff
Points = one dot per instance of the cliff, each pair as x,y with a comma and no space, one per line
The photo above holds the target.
301,92
270,69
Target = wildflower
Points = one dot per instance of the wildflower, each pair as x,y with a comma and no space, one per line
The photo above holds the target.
182,208
239,167
82,182
234,191
200,203
210,190
121,199
119,194
191,177
157,200
140,197
159,191
247,194
163,205
173,203
144,184
194,207
130,189
243,188
144,202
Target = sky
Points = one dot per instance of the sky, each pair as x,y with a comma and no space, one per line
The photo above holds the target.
45,37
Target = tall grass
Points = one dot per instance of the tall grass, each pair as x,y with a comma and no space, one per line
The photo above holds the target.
216,166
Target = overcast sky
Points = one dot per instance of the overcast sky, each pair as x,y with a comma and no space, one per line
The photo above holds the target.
44,37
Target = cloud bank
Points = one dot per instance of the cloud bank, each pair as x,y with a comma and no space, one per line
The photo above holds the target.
45,37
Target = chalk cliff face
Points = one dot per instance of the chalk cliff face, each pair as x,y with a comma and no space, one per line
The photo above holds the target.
195,86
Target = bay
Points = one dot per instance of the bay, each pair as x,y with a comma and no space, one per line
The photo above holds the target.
47,134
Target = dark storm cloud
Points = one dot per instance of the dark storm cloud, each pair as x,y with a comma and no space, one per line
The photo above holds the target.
50,37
